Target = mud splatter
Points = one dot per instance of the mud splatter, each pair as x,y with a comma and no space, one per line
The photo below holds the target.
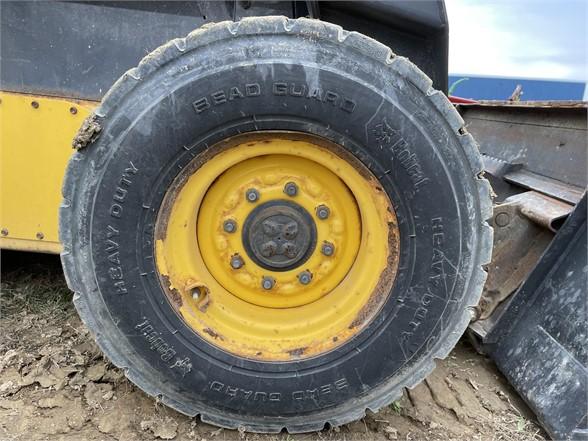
88,132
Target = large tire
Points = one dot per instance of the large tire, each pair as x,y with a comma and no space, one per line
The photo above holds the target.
432,172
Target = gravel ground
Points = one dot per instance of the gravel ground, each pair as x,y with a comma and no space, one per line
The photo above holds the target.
56,385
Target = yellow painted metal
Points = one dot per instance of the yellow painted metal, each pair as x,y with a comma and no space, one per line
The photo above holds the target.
291,321
268,174
35,246
35,145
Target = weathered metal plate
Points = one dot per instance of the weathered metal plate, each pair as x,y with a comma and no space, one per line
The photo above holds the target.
539,340
539,146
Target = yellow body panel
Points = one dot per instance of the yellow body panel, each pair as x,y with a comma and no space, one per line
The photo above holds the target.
35,145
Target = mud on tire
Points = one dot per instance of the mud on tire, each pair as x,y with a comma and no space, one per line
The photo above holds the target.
358,94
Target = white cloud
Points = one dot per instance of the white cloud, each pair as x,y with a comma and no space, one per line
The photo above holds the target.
514,39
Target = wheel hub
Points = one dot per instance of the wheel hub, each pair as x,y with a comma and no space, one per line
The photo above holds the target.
279,235
288,241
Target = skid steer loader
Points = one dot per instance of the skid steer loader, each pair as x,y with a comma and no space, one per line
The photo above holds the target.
274,220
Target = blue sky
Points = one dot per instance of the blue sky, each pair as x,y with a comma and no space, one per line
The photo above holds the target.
519,38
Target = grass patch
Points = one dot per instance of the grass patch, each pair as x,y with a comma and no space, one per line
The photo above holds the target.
35,288
396,407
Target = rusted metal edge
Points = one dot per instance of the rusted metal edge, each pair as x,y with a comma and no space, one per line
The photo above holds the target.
548,186
541,209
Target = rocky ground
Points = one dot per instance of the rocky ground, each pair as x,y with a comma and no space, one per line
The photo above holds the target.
56,385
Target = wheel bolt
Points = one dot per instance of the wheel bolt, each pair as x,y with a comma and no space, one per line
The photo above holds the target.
305,277
236,261
291,189
252,195
230,226
328,249
502,219
267,282
322,212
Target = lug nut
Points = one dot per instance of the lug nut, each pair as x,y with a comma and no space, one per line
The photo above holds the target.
328,249
305,277
291,189
322,212
230,226
267,282
200,295
252,195
236,261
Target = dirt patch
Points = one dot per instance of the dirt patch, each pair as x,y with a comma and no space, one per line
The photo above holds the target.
56,385
88,132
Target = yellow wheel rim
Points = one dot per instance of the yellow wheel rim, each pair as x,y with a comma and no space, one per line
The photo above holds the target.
276,246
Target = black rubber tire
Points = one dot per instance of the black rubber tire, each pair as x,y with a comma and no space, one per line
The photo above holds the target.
378,106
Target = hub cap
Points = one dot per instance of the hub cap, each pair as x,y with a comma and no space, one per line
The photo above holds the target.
289,241
279,235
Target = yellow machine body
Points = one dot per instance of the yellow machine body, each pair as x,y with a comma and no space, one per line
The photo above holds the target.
35,144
